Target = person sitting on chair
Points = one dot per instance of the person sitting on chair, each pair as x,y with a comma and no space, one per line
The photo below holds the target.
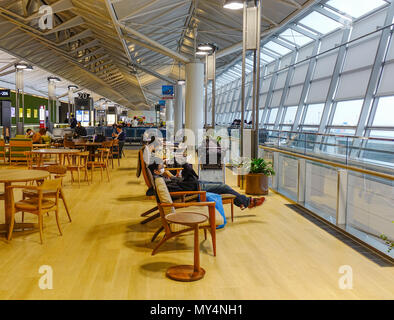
189,182
120,135
80,131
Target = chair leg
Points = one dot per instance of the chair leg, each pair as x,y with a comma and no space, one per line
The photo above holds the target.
205,234
159,245
79,179
57,220
150,211
232,211
40,223
151,218
65,204
106,168
11,228
157,233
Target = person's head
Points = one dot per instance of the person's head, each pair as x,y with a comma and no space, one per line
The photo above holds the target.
29,132
43,131
78,124
156,168
135,118
119,129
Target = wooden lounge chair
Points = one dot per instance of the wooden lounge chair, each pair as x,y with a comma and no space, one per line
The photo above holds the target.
166,206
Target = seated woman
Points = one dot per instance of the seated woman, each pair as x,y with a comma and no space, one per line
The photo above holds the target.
188,183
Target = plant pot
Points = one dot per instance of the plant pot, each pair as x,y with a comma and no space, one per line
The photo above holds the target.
241,181
256,184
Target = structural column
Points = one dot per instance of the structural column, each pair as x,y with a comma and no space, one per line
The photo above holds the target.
178,108
20,123
194,111
170,118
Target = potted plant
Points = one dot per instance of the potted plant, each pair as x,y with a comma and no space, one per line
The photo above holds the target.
257,178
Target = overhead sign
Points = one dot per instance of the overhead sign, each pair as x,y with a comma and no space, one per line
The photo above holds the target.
5,93
168,92
162,103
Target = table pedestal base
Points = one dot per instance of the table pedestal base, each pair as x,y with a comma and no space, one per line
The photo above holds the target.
185,273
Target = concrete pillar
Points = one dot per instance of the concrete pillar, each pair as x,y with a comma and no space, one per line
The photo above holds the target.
169,119
194,111
178,108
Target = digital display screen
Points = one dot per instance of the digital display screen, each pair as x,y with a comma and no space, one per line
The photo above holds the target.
5,93
86,116
79,115
167,90
111,119
12,112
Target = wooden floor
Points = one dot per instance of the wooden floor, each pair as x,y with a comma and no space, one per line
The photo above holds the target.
267,253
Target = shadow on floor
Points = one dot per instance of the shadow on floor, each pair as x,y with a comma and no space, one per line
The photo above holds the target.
134,198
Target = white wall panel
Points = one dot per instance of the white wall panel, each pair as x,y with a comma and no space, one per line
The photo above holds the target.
331,41
386,86
325,65
353,85
318,91
361,54
280,81
266,84
277,95
294,95
368,24
305,52
263,100
299,74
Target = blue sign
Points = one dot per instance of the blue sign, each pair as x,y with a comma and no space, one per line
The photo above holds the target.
168,90
162,103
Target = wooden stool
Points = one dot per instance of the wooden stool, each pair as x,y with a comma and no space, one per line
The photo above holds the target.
188,273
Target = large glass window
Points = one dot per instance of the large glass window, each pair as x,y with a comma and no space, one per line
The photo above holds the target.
295,37
314,114
273,113
277,48
347,113
356,8
290,115
320,23
385,113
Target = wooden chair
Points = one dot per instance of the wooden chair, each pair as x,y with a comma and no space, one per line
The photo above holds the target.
38,205
18,149
115,150
100,161
77,163
2,150
166,206
110,145
33,161
69,144
59,172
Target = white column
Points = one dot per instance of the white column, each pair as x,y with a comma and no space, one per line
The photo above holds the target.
169,118
19,81
178,108
194,111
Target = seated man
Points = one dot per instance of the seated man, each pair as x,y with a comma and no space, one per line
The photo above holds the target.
80,131
188,183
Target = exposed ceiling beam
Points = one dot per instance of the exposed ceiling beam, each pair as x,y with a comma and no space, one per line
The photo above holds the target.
126,48
172,54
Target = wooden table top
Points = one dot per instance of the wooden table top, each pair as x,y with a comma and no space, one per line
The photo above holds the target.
188,218
55,151
20,175
88,143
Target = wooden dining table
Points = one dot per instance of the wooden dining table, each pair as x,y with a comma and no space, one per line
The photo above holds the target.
9,176
63,154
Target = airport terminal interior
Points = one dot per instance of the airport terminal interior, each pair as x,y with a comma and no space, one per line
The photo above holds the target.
196,149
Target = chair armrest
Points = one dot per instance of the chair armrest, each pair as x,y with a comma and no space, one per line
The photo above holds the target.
188,204
203,196
174,169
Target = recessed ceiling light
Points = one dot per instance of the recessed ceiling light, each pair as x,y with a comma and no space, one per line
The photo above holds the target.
233,4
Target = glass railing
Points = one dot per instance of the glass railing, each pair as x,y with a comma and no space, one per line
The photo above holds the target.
364,152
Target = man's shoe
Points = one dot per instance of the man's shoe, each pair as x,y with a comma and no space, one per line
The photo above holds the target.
255,202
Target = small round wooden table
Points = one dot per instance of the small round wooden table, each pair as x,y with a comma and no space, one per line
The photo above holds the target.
188,273
9,176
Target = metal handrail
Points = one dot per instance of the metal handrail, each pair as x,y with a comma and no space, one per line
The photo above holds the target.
332,135
332,163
